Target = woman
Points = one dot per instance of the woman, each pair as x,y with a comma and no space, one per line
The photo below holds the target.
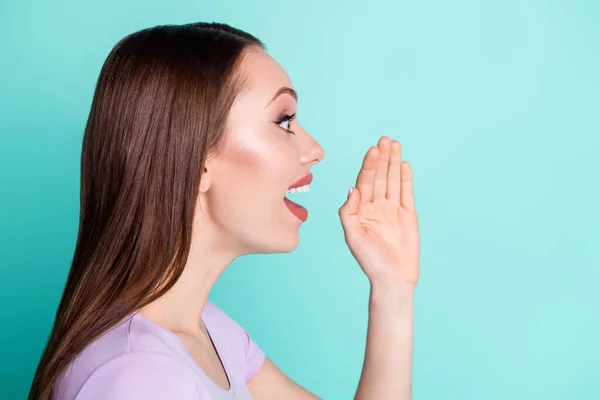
189,150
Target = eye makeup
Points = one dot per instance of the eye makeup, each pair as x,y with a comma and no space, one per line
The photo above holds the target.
286,118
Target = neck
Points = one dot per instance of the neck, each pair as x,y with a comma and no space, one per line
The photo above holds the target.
180,308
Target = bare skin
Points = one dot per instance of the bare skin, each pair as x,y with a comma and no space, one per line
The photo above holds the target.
240,211
381,230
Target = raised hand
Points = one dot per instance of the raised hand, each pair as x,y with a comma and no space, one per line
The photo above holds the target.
379,218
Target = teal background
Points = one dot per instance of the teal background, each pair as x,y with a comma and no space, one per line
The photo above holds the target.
497,106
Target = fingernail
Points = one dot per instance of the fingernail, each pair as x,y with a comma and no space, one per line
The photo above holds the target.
350,191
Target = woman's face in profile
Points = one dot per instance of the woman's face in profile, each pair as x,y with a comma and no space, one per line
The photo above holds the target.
260,160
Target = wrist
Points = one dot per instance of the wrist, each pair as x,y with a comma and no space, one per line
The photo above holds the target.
390,286
392,293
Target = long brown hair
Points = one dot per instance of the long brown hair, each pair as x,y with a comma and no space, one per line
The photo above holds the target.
159,110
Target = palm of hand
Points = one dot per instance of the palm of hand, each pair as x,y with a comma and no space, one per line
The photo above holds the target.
379,218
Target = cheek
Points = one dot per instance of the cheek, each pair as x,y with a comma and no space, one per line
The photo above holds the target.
246,199
246,196
260,167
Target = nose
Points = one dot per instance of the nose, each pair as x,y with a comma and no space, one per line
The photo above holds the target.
312,151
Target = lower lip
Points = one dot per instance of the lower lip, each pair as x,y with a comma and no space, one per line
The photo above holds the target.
296,209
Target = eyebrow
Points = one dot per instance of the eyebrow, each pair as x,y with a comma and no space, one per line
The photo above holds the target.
283,90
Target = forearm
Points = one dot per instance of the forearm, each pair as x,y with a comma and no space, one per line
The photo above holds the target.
387,367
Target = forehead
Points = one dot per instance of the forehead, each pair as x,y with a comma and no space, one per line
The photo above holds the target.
263,74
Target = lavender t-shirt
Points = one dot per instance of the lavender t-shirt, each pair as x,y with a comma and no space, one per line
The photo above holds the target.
139,359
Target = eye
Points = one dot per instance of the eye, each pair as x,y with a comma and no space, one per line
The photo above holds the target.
284,122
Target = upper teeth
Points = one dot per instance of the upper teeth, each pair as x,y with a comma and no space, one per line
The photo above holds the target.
298,189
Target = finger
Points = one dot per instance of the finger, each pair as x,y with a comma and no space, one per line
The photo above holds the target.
366,176
394,176
348,213
407,196
380,184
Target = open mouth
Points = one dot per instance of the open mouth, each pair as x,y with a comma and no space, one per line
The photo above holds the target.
301,185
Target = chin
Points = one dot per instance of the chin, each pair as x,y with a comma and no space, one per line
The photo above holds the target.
289,248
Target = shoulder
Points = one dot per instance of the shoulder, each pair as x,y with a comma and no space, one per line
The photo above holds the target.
140,375
132,355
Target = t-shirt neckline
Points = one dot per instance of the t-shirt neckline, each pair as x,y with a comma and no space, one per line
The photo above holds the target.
228,394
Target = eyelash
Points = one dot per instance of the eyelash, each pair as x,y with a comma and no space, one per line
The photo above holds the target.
285,118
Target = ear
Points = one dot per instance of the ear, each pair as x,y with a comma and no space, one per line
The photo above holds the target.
205,179
210,164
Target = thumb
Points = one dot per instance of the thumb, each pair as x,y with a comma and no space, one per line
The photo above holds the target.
348,212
